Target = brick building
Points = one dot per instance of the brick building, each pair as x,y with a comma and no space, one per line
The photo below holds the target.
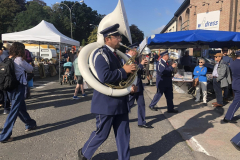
187,15
220,15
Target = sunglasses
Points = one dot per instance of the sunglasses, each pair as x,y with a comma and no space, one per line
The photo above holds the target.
200,62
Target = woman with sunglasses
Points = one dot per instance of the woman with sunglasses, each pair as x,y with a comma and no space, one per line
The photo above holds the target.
200,72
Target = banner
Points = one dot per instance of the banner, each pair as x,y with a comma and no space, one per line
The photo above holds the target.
208,20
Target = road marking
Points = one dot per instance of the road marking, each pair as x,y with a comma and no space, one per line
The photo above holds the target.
42,85
198,146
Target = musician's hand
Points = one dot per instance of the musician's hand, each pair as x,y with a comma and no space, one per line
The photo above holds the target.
129,68
134,89
144,61
174,65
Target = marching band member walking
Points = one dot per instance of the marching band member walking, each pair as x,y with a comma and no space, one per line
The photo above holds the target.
110,111
139,95
164,84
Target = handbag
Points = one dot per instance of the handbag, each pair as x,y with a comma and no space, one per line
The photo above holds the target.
30,83
196,80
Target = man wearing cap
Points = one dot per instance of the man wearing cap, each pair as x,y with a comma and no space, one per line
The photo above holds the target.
164,84
221,78
138,96
110,111
235,65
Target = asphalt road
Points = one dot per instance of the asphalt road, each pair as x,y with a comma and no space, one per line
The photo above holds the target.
64,125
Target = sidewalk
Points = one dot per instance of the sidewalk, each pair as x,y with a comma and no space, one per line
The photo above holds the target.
200,125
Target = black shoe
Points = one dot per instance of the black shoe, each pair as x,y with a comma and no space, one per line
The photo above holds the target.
236,146
173,111
153,108
80,155
205,104
147,84
145,126
227,121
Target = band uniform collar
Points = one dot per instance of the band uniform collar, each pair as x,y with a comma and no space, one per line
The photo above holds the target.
163,60
111,49
129,55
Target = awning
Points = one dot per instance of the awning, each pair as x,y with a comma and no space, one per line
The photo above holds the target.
194,38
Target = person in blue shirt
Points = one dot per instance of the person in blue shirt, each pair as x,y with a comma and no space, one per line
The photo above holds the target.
200,72
227,60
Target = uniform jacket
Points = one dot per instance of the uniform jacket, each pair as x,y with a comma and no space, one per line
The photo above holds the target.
139,73
109,70
235,65
164,74
224,75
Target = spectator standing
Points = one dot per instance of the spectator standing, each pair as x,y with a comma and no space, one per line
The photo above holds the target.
221,78
17,95
186,61
228,60
151,68
79,78
71,55
200,72
30,61
155,57
5,99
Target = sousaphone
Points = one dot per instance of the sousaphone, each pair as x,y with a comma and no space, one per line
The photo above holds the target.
85,58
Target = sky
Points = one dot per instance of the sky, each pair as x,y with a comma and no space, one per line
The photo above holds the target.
150,16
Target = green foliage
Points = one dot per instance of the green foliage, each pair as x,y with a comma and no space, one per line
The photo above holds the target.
17,15
33,15
136,33
93,36
83,42
8,10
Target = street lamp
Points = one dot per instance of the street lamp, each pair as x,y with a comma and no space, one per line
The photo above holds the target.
70,9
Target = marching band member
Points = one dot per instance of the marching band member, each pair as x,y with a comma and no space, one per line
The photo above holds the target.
139,94
164,84
110,111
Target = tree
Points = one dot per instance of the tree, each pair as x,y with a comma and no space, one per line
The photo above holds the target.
8,10
136,33
33,15
93,36
82,17
83,42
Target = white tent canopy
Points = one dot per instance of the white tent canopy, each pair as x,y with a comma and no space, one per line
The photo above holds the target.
43,32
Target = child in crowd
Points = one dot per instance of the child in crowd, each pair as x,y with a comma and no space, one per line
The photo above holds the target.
66,74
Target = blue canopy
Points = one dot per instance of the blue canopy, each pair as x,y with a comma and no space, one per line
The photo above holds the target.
195,38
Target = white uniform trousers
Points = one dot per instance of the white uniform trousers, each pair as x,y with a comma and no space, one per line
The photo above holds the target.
203,86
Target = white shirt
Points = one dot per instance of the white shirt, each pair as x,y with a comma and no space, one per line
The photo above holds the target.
20,67
163,60
214,73
110,48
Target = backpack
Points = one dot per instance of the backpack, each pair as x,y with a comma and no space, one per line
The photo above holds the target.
8,80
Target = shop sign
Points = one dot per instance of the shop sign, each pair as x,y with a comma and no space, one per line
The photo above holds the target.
208,20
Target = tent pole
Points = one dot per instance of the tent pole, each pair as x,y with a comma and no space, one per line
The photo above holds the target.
38,55
59,66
